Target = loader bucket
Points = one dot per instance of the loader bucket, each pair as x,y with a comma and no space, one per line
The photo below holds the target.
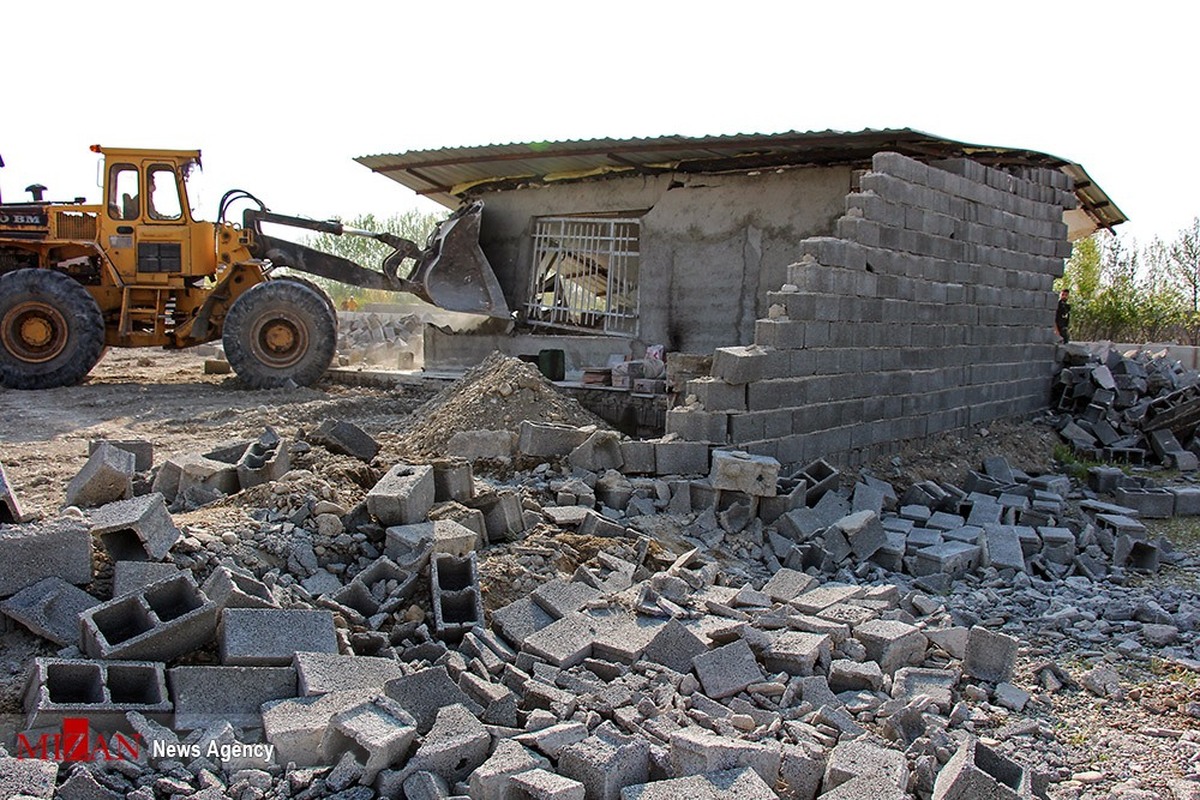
453,272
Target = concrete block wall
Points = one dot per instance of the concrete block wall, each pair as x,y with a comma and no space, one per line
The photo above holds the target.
931,309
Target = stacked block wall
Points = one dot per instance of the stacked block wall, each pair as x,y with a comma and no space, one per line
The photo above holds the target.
932,309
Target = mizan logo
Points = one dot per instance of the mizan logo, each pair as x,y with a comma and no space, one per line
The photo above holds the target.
77,743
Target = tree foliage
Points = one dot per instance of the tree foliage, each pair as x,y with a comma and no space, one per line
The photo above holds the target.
1123,292
412,225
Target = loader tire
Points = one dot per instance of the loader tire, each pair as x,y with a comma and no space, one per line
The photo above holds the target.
280,331
51,330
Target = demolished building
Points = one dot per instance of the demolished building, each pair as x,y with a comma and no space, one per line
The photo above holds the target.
855,289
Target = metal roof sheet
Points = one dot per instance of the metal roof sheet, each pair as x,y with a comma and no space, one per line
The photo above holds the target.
448,174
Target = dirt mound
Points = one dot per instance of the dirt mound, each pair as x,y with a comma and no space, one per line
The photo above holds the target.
497,394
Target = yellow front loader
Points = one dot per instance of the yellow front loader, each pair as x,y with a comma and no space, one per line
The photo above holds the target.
139,271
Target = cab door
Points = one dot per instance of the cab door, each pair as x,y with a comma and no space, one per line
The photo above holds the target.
163,237
145,226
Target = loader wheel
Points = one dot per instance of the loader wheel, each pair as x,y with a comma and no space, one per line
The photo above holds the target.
279,331
51,330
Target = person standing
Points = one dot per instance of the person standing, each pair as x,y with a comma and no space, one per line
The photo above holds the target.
1062,316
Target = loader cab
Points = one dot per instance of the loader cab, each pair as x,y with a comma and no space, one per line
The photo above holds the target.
147,229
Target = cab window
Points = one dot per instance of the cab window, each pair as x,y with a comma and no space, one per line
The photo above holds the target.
164,194
123,192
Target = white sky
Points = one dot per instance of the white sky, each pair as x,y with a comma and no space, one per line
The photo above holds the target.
281,97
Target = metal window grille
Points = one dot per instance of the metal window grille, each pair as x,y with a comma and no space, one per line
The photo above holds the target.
585,274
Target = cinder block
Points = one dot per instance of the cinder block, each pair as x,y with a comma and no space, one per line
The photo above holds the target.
10,509
727,670
368,594
380,729
680,458
1003,549
503,515
133,576
637,457
1187,500
740,365
743,783
599,452
453,480
322,673
477,445
455,745
27,777
499,703
457,601
738,471
952,558
403,496
345,438
50,608
796,652
717,395
492,780
937,684
565,642
138,529
1149,503
204,696
990,655
297,726
200,476
425,692
230,588
820,477
545,440
160,622
674,646
862,759
519,620
107,476
697,751
606,762
1136,554
976,770
892,643
263,461
863,531
696,425
101,691
143,451
272,636
541,784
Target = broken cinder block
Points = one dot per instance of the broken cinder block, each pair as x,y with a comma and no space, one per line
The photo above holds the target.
457,601
345,438
107,476
738,471
138,529
50,608
32,552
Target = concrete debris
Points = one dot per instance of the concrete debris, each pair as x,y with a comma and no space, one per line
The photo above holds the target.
106,477
595,627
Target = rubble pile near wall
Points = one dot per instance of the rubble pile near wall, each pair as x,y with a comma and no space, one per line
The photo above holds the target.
496,395
1137,408
593,627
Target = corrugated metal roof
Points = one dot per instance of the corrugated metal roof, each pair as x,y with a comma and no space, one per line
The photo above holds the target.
447,174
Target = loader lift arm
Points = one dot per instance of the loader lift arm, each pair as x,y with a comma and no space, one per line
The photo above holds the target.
451,271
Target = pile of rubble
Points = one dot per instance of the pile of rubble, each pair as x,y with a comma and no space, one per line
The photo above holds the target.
493,399
1133,407
720,631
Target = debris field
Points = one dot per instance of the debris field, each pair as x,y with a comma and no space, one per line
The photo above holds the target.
499,597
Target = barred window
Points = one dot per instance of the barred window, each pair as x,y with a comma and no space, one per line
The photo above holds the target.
585,274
